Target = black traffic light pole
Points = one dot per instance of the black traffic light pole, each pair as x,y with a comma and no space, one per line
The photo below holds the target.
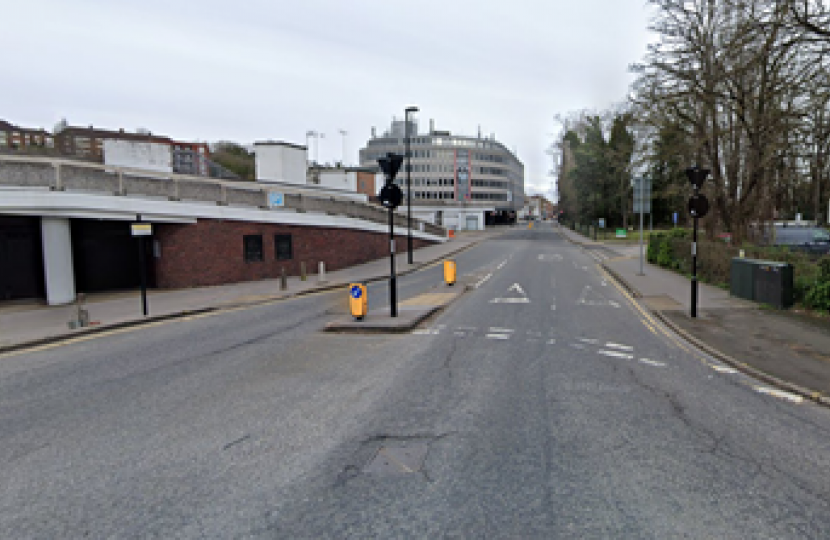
393,287
694,262
698,207
390,197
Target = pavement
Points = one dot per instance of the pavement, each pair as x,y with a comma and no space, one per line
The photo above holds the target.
787,348
31,323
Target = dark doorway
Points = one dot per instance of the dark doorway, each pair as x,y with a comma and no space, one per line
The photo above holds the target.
21,258
105,256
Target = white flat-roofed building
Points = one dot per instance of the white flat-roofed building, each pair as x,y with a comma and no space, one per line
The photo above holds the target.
278,161
453,173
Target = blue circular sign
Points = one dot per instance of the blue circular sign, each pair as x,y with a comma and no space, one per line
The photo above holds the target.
356,292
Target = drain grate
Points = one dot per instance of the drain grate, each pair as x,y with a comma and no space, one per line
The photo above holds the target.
402,458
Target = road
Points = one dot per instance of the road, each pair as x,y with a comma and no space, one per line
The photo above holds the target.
542,404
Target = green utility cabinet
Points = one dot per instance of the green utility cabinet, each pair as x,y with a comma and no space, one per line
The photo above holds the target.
742,278
766,282
774,284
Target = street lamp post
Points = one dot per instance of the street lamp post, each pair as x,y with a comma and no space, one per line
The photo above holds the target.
408,185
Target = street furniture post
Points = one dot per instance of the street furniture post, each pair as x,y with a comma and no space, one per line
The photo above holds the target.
698,208
450,272
391,197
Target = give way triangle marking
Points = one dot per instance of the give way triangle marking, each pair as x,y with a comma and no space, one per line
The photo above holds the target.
521,298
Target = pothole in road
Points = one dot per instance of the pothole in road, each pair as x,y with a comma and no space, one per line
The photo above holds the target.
385,456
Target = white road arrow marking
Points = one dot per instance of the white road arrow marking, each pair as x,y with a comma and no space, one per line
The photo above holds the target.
516,287
513,300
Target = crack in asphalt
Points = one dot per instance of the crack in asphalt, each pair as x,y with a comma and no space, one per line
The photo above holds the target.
449,358
719,446
265,337
376,442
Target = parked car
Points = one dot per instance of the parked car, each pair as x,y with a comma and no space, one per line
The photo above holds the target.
808,239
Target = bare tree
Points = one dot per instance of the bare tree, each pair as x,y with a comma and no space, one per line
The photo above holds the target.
734,74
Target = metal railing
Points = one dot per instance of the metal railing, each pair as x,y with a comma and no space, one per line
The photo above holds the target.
67,175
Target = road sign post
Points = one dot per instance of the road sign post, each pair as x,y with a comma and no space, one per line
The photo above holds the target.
391,197
139,230
357,300
698,208
642,203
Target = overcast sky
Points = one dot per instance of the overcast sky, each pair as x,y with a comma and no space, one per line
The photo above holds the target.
248,70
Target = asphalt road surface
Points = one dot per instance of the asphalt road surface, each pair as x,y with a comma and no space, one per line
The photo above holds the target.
541,404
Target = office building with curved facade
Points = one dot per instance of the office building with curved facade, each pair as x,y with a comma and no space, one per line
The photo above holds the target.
454,178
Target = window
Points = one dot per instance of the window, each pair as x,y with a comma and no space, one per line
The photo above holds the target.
253,247
282,247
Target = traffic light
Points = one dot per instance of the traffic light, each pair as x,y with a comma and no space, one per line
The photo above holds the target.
697,176
390,165
390,194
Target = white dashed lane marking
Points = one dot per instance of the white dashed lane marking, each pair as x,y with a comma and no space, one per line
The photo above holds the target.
723,369
774,392
611,345
498,336
616,354
654,363
483,280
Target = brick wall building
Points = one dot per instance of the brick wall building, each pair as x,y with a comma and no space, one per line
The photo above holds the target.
214,251
14,137
88,142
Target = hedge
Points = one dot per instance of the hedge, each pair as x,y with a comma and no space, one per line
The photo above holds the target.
673,250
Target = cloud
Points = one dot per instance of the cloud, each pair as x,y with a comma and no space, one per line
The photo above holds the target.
252,70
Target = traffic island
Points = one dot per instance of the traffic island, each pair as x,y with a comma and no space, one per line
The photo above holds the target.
411,313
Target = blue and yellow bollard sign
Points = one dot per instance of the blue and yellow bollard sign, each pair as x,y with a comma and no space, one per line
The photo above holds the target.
357,300
450,271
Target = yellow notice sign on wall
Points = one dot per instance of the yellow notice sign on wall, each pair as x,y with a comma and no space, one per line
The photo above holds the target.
142,229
